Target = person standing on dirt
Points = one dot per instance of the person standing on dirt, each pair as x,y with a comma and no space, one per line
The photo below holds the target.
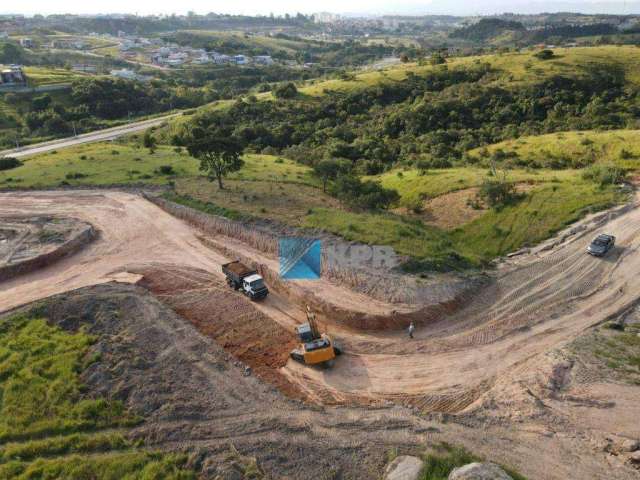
411,329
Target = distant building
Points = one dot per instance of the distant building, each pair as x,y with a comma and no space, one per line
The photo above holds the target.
240,60
325,17
26,43
202,59
127,74
4,35
13,75
263,60
221,59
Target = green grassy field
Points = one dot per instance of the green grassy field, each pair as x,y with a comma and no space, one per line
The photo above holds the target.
621,147
415,186
48,76
116,163
47,428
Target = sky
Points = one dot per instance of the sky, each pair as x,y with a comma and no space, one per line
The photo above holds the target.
373,7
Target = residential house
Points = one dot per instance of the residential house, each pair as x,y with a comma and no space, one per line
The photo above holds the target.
13,75
263,60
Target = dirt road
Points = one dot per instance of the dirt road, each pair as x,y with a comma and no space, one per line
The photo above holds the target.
528,310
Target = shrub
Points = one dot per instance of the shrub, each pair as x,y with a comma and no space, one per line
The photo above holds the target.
433,163
367,195
604,174
7,163
545,54
288,90
75,175
166,170
497,193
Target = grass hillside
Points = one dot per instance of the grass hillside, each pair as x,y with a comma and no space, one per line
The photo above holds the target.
49,76
514,67
48,429
621,147
113,163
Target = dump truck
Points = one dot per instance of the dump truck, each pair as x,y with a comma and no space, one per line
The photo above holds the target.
315,348
241,277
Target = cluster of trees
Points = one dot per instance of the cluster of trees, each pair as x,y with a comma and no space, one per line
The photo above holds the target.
93,101
485,29
430,120
11,53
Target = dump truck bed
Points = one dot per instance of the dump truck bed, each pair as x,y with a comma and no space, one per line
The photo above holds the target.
236,269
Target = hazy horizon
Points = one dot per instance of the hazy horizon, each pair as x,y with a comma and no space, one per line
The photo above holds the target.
355,7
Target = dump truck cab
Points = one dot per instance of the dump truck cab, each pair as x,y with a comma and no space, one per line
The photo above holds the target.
253,286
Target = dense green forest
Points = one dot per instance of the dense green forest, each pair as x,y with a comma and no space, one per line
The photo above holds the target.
432,120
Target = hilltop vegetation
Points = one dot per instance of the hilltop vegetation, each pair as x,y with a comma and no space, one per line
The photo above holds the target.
437,114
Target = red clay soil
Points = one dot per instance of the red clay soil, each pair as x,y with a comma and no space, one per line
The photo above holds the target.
228,318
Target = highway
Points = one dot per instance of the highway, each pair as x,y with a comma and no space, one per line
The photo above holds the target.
97,136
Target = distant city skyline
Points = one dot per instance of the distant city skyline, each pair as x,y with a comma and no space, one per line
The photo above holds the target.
354,7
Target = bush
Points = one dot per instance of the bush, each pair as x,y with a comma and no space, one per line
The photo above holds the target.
75,175
7,163
545,54
497,193
288,90
367,195
604,174
166,170
433,163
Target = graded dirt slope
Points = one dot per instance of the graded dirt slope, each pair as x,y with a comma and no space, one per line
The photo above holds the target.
527,311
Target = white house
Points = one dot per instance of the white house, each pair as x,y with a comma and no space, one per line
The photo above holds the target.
263,60
221,59
240,60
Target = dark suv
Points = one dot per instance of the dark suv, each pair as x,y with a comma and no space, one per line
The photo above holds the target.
601,245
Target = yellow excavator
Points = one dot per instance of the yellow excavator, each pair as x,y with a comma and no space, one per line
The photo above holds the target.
315,347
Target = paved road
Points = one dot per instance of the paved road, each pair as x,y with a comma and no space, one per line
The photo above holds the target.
98,136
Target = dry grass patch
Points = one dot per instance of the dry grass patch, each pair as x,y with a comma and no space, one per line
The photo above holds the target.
286,202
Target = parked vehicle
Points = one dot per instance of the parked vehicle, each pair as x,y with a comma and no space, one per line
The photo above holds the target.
601,245
241,277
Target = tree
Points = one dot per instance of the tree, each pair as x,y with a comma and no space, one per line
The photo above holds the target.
41,103
328,169
437,59
288,90
149,141
10,53
218,151
545,54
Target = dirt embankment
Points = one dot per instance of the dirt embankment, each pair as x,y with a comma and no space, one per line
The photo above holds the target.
226,317
375,285
31,243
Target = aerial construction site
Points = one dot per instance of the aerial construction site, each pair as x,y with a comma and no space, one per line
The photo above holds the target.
501,363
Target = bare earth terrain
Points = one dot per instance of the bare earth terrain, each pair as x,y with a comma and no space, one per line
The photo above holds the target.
499,359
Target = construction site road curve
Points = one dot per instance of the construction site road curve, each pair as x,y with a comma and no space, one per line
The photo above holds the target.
528,309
